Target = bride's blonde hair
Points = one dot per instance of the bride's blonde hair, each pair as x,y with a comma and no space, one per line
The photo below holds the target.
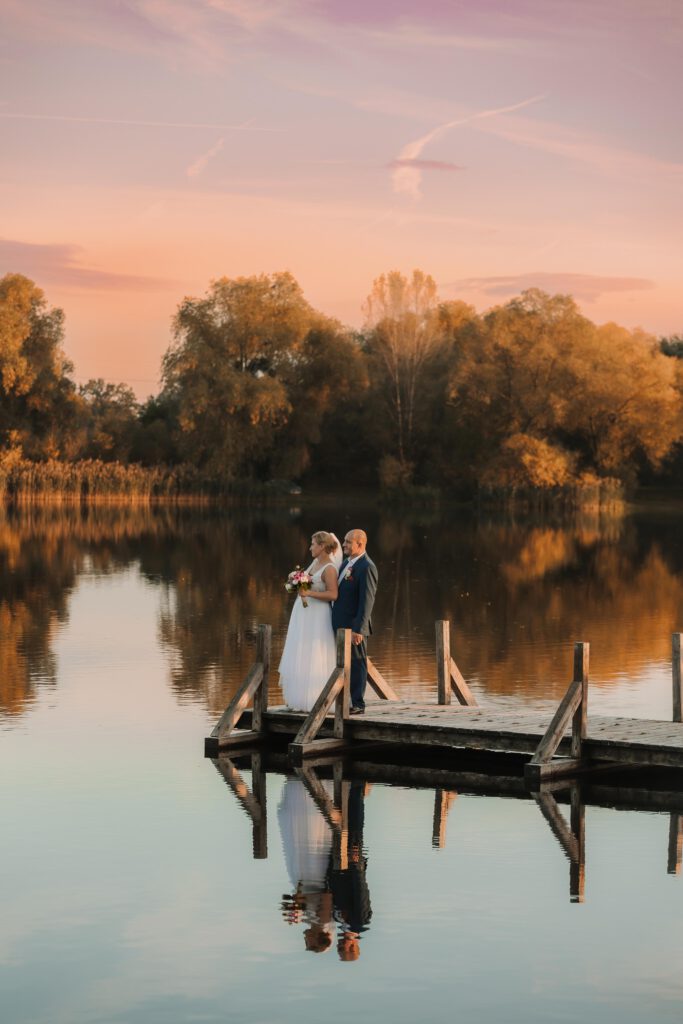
326,541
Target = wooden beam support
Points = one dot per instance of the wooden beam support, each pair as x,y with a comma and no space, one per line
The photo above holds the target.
226,723
236,783
320,796
460,687
298,752
239,738
536,772
551,812
572,708
379,684
311,725
558,724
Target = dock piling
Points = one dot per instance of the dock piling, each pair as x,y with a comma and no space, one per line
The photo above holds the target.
677,674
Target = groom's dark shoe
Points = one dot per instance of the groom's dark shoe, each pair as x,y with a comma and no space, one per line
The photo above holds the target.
357,711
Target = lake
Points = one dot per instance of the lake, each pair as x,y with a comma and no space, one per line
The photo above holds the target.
129,887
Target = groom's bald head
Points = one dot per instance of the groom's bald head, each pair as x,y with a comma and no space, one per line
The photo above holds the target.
355,543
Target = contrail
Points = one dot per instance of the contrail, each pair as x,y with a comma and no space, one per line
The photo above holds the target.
407,178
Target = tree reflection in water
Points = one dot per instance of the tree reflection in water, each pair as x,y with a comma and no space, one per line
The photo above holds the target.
517,594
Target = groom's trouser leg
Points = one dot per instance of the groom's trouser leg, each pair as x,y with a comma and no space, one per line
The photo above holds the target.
359,673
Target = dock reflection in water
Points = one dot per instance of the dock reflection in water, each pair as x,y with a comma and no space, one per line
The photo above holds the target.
322,811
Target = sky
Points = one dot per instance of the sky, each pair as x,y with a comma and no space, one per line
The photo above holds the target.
152,146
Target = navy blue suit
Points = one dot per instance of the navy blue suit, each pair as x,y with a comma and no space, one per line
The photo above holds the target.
352,610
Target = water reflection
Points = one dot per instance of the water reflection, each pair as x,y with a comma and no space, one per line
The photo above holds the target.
307,844
321,817
517,594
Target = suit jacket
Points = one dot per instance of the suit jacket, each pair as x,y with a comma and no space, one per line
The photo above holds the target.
353,607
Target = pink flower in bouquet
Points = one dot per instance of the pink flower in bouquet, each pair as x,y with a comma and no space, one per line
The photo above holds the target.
299,581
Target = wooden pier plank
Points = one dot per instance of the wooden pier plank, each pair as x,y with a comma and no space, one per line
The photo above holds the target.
506,730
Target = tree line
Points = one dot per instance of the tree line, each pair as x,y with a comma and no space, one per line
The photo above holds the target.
258,386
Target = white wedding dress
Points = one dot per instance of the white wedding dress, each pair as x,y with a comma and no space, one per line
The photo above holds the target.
310,652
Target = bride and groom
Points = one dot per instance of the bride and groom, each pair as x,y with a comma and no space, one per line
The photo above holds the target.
341,596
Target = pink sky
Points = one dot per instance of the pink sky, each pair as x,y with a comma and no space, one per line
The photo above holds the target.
150,146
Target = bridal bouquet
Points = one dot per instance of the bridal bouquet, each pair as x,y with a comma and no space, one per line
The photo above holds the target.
299,580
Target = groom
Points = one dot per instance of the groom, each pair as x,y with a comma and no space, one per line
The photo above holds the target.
352,610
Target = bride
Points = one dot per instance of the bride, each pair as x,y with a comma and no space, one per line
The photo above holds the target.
310,652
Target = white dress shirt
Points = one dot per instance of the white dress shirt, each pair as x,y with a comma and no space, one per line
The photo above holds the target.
343,572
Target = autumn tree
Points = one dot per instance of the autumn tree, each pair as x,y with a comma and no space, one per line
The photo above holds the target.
225,369
626,409
38,403
403,332
536,370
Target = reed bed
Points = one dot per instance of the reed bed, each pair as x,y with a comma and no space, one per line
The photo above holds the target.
24,482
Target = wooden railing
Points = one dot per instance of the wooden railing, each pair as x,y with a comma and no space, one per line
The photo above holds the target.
254,688
335,691
449,678
572,708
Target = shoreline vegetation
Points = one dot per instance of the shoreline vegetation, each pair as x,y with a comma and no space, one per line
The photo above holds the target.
92,481
529,405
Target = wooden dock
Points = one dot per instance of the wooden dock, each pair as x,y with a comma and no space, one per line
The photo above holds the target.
564,743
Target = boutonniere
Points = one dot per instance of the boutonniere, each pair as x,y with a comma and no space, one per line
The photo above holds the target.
348,575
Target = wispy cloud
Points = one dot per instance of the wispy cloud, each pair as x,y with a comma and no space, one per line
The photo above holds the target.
413,35
61,264
198,165
247,126
587,287
407,175
582,148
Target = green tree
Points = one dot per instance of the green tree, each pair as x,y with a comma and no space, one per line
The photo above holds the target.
155,440
672,346
225,367
111,417
326,382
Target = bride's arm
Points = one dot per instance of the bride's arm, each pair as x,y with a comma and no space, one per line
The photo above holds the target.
331,586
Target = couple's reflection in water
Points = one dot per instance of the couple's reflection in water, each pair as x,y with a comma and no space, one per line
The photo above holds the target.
321,828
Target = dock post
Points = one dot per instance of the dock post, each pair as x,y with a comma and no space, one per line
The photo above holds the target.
261,696
443,661
341,706
675,843
580,719
258,788
677,675
577,869
443,798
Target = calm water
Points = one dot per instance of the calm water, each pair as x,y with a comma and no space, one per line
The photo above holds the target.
129,890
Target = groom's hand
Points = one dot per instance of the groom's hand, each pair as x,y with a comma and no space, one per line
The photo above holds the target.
357,638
